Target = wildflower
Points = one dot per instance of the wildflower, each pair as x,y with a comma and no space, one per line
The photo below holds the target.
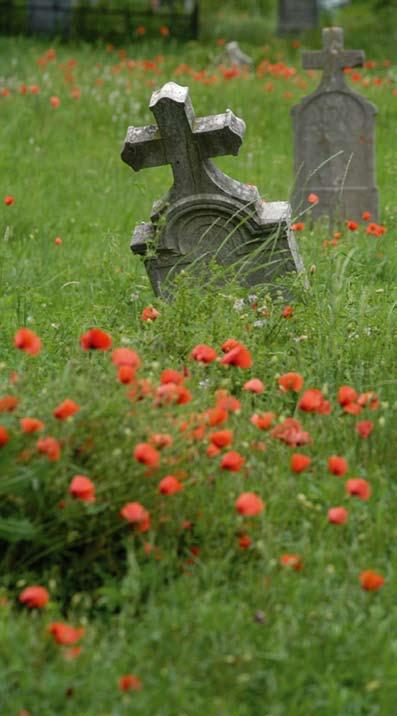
171,376
125,356
352,225
31,425
34,597
26,340
147,455
160,440
136,514
95,339
366,215
55,102
82,488
130,682
140,30
254,386
371,581
291,433
337,465
365,428
203,353
249,504
164,31
216,416
311,401
293,561
227,402
172,393
291,381
244,541
299,226
232,461
263,421
229,344
238,356
66,409
4,436
9,200
149,314
346,395
58,240
357,487
337,515
64,634
313,198
287,312
299,463
126,374
221,438
49,446
370,398
8,403
169,485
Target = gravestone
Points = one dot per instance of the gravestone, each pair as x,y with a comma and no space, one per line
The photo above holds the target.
234,56
334,138
206,215
297,15
47,17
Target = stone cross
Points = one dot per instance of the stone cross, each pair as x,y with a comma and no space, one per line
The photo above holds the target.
233,55
334,139
206,215
297,15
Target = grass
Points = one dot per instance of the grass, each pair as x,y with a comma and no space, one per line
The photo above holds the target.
221,630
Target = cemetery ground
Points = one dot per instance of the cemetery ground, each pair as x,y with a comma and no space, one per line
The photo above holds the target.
194,600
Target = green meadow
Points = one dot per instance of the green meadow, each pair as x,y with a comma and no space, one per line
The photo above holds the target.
211,610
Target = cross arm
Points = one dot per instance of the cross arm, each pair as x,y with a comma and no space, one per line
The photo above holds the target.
219,135
143,147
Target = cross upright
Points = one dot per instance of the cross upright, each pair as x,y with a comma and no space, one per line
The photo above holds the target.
184,141
333,58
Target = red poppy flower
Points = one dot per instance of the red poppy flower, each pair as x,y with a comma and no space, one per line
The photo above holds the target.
299,463
249,504
169,485
299,226
346,395
136,514
66,409
171,376
160,440
371,581
357,487
229,344
287,312
147,455
216,416
370,399
8,403
232,461
82,488
95,339
313,198
337,465
34,597
263,421
9,200
171,393
244,541
212,450
149,314
64,634
55,102
26,340
238,356
293,561
49,446
337,515
366,215
365,428
221,438
130,682
227,402
291,381
126,374
254,386
203,353
31,425
352,225
291,433
126,356
4,436
311,401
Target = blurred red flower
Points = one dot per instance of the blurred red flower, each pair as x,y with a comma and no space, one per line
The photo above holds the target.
31,425
26,340
232,461
338,515
203,353
293,561
249,504
8,403
34,597
147,455
95,339
66,409
129,682
238,356
64,634
263,421
49,446
357,487
149,314
4,436
82,488
291,381
337,465
221,438
365,428
169,485
136,514
371,581
299,462
126,356
9,200
254,386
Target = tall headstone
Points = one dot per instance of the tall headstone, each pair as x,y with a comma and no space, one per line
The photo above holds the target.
48,17
334,130
297,15
206,215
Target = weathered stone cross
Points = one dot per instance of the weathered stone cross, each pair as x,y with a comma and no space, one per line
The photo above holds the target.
206,215
333,58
